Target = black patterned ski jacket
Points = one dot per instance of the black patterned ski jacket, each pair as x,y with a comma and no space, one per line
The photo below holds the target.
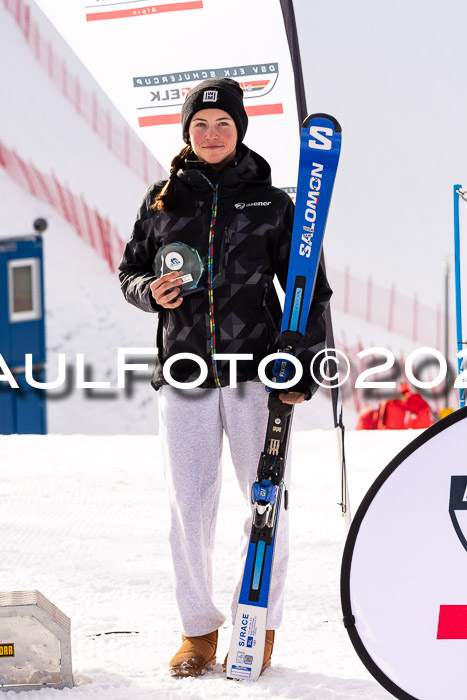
252,233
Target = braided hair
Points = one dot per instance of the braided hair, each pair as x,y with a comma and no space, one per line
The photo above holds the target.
164,201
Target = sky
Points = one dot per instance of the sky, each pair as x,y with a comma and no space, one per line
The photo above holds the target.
392,74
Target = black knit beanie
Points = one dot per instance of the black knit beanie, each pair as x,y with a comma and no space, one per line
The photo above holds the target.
216,93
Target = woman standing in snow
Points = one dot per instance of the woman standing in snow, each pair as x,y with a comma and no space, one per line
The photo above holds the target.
219,202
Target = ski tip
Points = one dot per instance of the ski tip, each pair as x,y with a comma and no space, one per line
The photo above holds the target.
321,115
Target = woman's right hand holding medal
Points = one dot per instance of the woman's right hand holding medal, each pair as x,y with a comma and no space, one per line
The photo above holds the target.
166,290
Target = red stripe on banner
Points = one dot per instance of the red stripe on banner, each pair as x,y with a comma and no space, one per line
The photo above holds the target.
159,119
144,11
452,622
255,82
259,110
256,111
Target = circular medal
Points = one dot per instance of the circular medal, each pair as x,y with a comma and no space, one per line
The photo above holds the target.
180,256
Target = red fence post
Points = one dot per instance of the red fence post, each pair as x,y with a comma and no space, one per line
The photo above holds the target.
64,78
89,227
14,169
63,206
45,190
3,160
27,176
27,22
73,212
117,246
104,231
50,61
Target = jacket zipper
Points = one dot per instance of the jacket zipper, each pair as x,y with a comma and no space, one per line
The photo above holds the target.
212,321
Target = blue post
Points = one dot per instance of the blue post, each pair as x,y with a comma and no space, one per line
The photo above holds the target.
22,331
457,268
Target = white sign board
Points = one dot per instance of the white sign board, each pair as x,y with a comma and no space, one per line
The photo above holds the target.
146,56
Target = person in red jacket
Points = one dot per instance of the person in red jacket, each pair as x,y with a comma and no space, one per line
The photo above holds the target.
410,411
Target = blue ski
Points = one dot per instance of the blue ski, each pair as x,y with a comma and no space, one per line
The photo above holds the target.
319,157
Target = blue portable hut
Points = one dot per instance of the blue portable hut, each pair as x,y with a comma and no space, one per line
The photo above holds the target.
22,331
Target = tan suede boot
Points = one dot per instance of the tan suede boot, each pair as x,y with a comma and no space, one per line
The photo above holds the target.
268,647
195,655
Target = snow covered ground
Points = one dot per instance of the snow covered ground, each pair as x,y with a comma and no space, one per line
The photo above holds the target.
84,521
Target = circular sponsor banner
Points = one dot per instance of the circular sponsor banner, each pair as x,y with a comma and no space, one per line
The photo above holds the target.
404,568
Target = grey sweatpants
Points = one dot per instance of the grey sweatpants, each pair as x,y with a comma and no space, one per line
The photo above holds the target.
192,422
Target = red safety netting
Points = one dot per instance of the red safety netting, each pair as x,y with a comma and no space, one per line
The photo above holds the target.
117,136
96,230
